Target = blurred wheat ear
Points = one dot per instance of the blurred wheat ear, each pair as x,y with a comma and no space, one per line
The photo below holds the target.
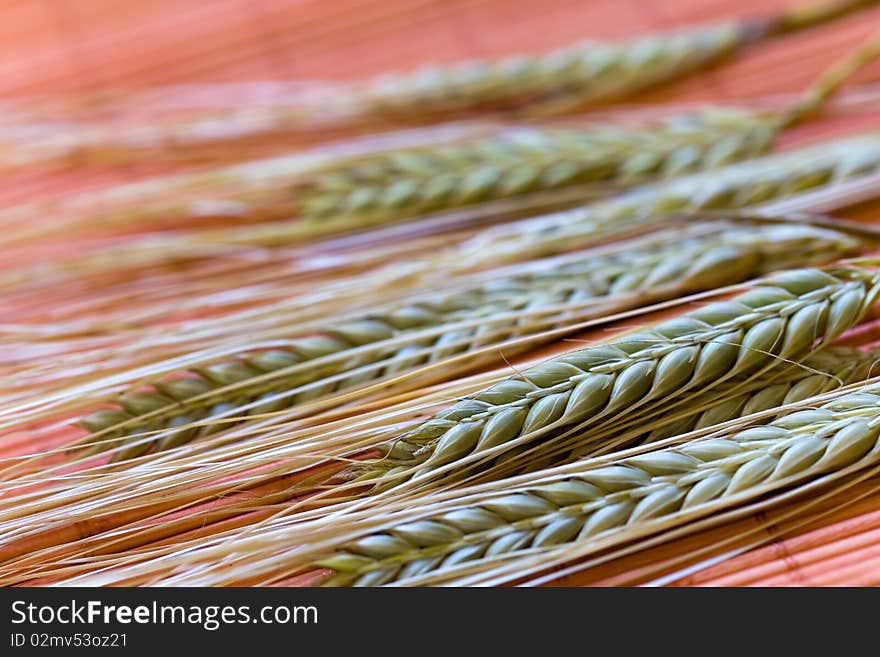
581,74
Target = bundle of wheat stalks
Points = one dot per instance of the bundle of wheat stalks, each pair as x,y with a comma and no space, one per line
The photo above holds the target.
500,350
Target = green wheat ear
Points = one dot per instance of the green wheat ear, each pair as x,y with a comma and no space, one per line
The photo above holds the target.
649,206
784,317
527,160
578,75
619,501
441,325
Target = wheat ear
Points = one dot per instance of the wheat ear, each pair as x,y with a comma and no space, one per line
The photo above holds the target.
782,318
547,84
525,160
529,160
731,187
576,75
822,372
271,380
816,168
621,500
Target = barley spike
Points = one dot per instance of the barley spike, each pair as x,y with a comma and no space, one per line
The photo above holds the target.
823,371
735,186
523,160
781,318
576,75
699,257
526,160
631,494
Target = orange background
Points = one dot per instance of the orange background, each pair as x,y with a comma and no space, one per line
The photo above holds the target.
71,46
82,51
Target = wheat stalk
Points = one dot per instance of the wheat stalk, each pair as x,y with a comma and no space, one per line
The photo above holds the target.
593,71
331,305
368,348
555,82
780,319
832,167
831,367
621,500
531,164
822,371
354,542
443,325
733,186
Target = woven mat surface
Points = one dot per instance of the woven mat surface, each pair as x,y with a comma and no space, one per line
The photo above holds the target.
80,53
